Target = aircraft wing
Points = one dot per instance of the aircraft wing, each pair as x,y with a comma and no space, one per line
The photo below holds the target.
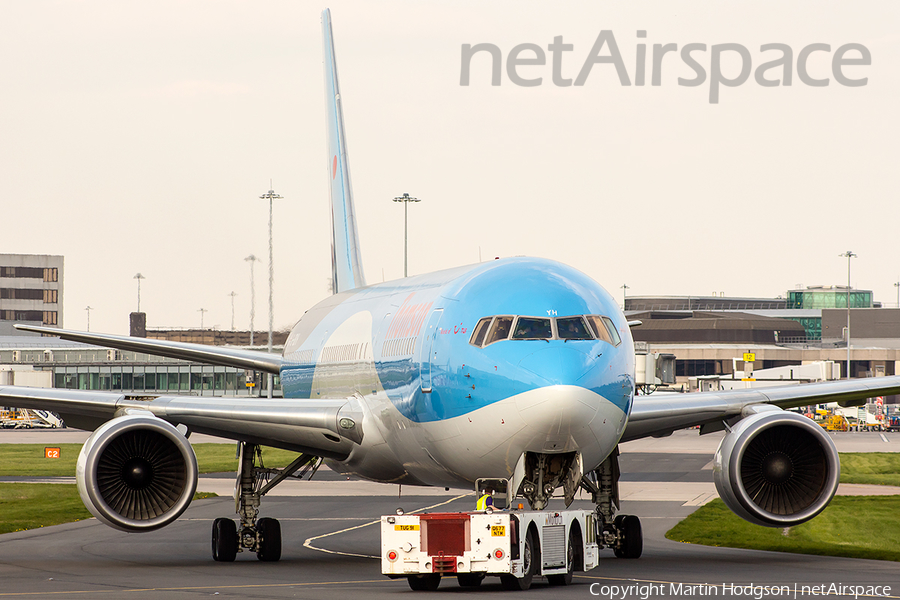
322,427
309,426
213,355
661,415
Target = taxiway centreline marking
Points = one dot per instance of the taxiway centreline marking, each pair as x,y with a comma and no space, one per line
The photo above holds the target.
307,543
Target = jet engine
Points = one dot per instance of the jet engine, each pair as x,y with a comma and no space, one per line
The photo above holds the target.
776,468
136,473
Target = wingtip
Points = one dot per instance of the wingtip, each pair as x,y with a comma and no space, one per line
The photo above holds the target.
35,328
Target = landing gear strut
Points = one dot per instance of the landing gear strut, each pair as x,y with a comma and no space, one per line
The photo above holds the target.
262,536
542,473
622,533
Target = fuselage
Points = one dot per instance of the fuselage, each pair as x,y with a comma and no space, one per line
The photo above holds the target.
444,404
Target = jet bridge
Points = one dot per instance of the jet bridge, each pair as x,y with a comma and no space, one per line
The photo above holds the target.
652,369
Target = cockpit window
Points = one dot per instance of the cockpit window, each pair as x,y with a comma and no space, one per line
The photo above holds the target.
616,340
532,328
572,328
599,328
576,327
481,330
499,329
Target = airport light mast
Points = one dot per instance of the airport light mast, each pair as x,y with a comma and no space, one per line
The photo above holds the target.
270,196
139,277
897,285
232,294
202,312
88,309
405,199
625,287
848,255
252,259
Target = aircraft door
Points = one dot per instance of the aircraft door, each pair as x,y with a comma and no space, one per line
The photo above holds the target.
426,354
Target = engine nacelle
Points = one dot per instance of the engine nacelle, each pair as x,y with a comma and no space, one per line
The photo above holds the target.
136,473
776,469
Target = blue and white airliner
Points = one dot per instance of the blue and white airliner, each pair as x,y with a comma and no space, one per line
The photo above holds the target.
519,369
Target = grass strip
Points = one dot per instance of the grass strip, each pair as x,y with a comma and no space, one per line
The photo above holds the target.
851,526
27,460
879,468
33,505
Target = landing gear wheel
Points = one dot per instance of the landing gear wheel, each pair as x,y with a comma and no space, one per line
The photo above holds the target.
470,579
531,556
424,583
632,544
270,539
573,554
224,540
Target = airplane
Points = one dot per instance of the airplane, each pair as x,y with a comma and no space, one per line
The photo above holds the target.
517,368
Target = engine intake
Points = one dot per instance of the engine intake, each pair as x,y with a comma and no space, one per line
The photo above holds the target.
136,473
776,469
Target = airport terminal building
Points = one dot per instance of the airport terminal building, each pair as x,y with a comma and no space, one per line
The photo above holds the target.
710,334
75,366
31,290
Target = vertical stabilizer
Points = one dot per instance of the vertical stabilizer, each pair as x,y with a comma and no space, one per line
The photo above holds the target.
346,264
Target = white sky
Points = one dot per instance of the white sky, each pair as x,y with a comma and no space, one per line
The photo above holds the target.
137,137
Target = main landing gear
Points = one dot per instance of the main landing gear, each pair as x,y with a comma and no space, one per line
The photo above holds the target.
262,536
622,533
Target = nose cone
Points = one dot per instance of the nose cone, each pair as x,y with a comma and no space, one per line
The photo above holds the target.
592,380
558,366
565,410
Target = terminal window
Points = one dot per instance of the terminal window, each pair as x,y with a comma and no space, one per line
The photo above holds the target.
21,315
21,294
25,272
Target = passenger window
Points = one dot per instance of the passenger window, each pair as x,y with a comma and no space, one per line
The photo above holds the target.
599,329
572,328
499,330
480,330
530,328
612,331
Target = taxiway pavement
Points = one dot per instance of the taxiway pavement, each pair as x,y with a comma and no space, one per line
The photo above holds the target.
331,539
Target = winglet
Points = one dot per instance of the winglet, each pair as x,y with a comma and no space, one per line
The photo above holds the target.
346,264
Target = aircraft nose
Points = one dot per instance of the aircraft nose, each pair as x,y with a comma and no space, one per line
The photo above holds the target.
557,366
565,410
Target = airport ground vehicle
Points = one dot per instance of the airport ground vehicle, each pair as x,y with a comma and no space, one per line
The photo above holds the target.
13,418
513,543
516,545
836,423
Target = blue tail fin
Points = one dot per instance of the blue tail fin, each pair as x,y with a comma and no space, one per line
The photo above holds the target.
346,263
